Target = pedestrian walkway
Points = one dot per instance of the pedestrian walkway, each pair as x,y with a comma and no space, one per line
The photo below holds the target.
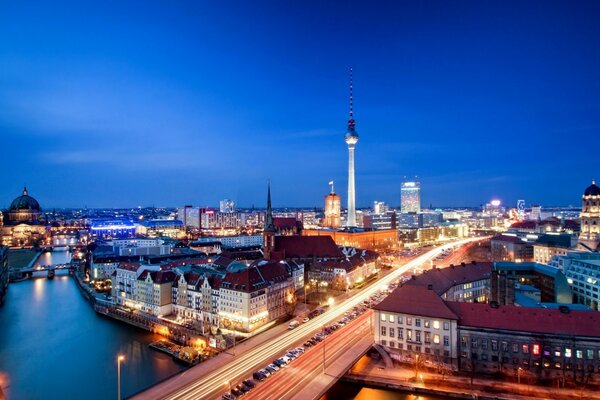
374,373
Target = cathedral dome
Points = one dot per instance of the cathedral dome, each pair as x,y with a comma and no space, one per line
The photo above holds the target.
25,203
592,190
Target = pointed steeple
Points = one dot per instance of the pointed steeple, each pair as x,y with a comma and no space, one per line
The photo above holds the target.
269,226
25,192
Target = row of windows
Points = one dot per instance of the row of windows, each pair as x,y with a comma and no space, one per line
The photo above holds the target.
426,323
427,336
400,346
526,348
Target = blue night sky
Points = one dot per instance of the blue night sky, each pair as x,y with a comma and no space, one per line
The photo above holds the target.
145,103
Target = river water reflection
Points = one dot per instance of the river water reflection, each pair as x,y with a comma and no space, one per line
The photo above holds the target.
53,345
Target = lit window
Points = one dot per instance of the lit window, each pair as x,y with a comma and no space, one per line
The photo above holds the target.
557,352
436,339
436,324
525,349
391,318
536,349
383,317
568,353
579,353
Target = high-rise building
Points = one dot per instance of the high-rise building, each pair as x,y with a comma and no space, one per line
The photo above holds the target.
410,197
227,206
332,209
589,238
536,213
379,207
351,139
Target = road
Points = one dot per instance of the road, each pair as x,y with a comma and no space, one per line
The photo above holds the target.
294,380
208,380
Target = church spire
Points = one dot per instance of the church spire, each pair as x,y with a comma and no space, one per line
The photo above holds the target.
269,226
25,192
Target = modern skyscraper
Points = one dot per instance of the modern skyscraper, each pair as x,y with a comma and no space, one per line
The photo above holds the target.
379,207
410,197
351,138
227,206
332,209
536,213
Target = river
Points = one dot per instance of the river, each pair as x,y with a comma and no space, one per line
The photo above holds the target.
54,346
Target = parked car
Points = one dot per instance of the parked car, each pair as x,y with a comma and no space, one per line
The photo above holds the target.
259,376
250,383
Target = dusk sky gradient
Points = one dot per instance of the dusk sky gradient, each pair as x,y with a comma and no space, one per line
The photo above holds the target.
169,103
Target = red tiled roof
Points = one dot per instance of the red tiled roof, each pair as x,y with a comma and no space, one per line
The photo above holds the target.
129,266
255,278
524,225
535,320
285,222
158,276
416,300
442,279
307,246
571,224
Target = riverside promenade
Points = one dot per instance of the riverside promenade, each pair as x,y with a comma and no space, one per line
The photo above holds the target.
373,373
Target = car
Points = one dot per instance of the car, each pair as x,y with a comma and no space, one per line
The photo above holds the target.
280,363
236,392
270,369
308,343
291,356
273,366
259,376
250,383
300,349
242,388
228,396
306,319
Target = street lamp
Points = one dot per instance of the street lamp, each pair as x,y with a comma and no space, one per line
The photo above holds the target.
305,286
330,301
416,367
519,375
228,384
120,358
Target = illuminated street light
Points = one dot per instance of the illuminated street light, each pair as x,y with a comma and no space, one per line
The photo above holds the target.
120,358
330,301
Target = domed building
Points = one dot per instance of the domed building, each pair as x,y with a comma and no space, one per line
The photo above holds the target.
20,223
589,237
23,210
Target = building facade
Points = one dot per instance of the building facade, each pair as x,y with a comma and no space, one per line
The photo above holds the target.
410,197
589,237
333,214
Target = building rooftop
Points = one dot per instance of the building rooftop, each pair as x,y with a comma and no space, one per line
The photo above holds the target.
442,279
527,266
416,300
307,247
535,320
563,241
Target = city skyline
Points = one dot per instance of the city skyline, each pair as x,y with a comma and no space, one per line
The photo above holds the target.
211,102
